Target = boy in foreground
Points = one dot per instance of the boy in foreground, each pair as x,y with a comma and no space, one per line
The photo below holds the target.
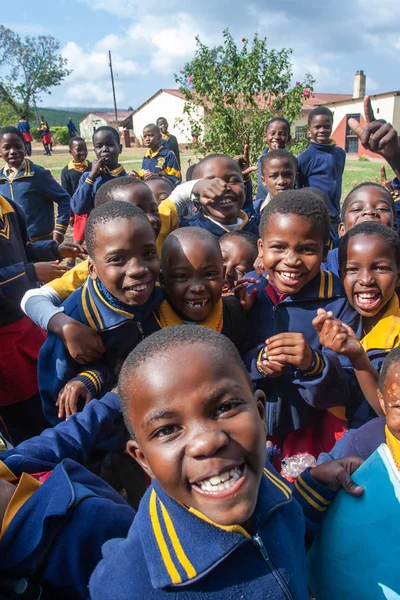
215,521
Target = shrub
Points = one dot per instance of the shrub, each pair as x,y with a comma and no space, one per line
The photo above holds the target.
363,158
60,135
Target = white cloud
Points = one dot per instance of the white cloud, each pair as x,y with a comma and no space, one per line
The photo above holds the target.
121,8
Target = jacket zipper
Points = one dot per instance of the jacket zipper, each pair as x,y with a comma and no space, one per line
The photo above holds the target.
257,541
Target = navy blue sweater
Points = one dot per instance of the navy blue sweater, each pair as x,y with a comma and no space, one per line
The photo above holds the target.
360,442
322,166
82,202
203,220
17,255
35,190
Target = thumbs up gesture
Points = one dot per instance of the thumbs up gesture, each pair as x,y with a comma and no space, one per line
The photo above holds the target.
377,135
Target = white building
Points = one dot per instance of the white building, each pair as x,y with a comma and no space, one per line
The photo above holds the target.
94,120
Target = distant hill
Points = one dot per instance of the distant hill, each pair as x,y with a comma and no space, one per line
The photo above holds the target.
56,116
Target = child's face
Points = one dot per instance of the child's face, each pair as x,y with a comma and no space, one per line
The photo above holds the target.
140,195
12,149
277,135
292,250
151,137
200,432
369,203
79,151
160,188
106,146
125,260
162,125
390,399
320,129
192,272
226,209
279,175
369,274
238,257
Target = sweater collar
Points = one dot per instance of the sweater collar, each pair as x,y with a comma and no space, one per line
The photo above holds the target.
325,285
26,169
151,154
244,218
166,317
82,166
167,530
385,335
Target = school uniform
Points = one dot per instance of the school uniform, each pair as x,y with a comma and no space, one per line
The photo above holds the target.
360,442
120,328
24,127
297,400
171,142
162,162
244,223
20,338
172,551
82,202
321,166
55,525
70,177
35,190
262,190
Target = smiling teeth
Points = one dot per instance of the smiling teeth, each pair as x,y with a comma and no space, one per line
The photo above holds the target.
138,288
198,304
289,276
219,483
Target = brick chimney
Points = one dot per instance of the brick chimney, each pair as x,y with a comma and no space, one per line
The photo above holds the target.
359,85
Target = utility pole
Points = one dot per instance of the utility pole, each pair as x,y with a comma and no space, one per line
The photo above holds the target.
113,88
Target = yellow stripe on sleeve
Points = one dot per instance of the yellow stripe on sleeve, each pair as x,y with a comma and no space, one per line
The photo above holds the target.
179,551
165,554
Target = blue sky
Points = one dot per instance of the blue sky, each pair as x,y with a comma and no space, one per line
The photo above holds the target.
150,40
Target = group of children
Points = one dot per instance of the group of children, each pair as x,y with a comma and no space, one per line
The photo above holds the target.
243,337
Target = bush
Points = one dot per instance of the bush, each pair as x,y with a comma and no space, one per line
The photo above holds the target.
297,148
60,135
363,158
35,134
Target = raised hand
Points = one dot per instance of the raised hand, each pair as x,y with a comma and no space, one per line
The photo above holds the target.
243,161
47,271
240,290
385,182
289,348
68,398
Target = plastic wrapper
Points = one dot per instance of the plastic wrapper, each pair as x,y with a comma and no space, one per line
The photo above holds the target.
293,466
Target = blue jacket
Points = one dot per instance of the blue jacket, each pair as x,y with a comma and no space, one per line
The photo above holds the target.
35,190
332,261
296,399
55,538
163,162
17,255
121,331
203,220
82,202
170,552
262,191
322,166
360,442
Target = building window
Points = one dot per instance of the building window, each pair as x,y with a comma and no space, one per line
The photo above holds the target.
351,137
300,133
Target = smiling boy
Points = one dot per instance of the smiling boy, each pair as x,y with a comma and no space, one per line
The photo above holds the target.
279,173
276,137
215,522
159,159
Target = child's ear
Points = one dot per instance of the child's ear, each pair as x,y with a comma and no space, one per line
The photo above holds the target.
263,179
261,400
381,401
260,248
341,230
120,148
92,269
133,449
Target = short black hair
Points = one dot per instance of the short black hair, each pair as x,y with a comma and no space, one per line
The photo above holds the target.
107,213
161,119
189,172
109,191
161,343
153,126
195,234
302,203
387,234
279,154
75,138
13,130
112,130
210,157
23,116
319,110
280,119
249,237
391,358
167,180
349,196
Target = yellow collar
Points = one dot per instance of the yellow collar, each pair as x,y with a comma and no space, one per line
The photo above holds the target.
167,317
242,215
5,206
151,154
23,491
394,446
115,172
386,333
165,136
73,166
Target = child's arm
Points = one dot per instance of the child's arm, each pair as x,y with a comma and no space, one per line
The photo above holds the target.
340,338
82,201
66,182
171,169
54,192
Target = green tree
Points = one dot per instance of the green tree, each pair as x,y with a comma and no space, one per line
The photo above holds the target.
29,67
239,90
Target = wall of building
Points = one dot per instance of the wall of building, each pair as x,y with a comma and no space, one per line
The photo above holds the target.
89,124
168,106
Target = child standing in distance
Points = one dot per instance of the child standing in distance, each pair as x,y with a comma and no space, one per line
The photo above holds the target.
276,136
33,188
198,431
169,140
279,173
46,136
107,147
321,165
239,252
24,127
369,257
159,159
118,295
287,361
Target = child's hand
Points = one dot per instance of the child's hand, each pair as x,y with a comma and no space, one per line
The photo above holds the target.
97,165
47,271
270,368
240,290
259,266
72,249
58,237
83,343
68,398
385,182
289,349
210,190
135,174
336,335
243,161
377,136
148,175
336,474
